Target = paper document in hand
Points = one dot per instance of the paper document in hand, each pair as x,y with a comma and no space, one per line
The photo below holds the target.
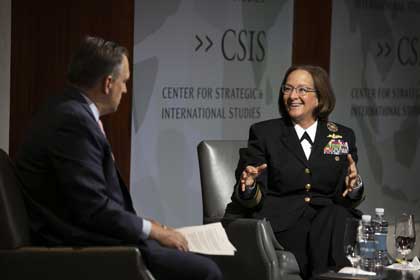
208,239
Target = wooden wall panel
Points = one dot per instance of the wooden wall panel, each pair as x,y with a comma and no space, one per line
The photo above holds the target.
312,32
44,35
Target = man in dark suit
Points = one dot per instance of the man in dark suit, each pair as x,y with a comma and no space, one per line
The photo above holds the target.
73,190
299,172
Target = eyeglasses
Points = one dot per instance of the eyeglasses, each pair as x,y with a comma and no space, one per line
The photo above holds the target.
300,90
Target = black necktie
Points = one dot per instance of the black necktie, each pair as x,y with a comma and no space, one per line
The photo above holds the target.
306,136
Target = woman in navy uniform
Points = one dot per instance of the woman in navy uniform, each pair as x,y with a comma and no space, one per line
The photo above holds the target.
299,172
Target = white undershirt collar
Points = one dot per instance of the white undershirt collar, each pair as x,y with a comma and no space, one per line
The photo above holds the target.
306,146
310,130
92,107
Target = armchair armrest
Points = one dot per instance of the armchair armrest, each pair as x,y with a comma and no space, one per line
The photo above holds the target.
255,245
287,261
116,262
255,257
270,232
258,255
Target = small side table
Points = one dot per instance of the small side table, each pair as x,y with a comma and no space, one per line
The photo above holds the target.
387,274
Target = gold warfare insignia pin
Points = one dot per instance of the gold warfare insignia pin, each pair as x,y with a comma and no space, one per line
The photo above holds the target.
332,127
334,136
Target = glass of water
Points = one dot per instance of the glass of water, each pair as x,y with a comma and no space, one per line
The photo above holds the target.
405,235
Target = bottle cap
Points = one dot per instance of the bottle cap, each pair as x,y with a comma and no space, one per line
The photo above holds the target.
366,218
379,211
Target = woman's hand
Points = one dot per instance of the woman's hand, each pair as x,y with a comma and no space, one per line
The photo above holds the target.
249,175
352,175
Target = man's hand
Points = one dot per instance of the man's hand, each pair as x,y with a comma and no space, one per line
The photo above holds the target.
351,175
249,175
168,237
156,223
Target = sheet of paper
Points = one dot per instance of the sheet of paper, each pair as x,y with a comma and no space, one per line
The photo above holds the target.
210,239
356,271
410,266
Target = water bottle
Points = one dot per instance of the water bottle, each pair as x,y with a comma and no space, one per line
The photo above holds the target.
367,245
381,230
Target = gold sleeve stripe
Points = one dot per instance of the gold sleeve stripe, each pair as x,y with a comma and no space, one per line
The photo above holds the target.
251,203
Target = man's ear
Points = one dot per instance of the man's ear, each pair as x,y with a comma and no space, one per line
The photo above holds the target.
107,84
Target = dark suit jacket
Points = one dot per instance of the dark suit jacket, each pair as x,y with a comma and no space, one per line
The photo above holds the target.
73,190
291,182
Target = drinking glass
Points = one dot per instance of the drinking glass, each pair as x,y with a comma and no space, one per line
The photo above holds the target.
351,246
405,235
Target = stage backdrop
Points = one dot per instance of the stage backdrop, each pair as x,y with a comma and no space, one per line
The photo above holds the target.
202,70
375,63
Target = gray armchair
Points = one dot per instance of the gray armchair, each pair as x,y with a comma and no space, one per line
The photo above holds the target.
259,255
20,260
